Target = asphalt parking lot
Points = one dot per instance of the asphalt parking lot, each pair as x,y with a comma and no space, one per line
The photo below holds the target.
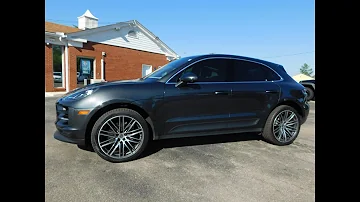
217,168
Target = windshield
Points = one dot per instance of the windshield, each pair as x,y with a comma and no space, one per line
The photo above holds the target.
164,70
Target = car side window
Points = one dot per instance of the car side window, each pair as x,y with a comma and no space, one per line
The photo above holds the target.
250,71
209,70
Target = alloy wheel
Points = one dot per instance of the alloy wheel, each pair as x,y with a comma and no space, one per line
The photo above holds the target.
286,126
120,137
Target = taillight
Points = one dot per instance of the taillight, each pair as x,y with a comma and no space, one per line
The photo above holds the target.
304,93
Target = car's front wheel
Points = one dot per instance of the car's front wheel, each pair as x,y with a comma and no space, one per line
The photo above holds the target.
282,126
120,135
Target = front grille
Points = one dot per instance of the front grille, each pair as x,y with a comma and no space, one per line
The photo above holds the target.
62,114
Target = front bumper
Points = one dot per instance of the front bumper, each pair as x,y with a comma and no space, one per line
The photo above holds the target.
69,138
71,127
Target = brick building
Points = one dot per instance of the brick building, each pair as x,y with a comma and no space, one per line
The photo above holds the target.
124,50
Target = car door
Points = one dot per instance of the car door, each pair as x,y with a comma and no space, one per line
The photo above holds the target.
199,107
254,94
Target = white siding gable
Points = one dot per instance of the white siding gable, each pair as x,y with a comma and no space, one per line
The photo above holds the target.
121,38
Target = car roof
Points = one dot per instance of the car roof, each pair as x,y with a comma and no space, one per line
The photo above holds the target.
236,57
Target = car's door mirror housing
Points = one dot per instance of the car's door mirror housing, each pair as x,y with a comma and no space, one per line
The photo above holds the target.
188,77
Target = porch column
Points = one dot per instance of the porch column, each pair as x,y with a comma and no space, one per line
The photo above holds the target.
67,67
102,69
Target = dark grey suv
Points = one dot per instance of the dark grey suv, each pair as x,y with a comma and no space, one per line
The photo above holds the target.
192,96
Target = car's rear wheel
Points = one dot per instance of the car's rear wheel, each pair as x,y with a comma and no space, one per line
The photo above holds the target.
310,93
282,126
120,135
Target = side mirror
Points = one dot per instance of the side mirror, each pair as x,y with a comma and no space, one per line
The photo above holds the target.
188,77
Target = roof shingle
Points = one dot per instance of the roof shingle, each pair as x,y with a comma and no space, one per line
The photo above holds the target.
53,27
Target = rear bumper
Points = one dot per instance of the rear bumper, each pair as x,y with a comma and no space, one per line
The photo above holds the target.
306,110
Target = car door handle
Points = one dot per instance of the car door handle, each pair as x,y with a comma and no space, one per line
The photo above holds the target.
221,93
271,91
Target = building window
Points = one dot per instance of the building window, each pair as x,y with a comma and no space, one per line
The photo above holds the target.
132,34
146,69
58,66
85,70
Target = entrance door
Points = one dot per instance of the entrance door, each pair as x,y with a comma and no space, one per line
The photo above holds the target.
85,70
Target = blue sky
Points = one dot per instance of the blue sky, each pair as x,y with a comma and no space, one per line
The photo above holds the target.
281,31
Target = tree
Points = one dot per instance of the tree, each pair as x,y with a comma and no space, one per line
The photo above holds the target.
305,69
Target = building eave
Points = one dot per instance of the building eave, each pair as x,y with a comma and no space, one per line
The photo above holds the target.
77,40
156,39
55,34
60,38
81,34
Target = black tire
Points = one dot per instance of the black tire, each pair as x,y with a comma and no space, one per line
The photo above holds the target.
268,133
111,114
310,93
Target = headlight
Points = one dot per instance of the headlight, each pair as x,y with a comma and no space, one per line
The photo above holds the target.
80,94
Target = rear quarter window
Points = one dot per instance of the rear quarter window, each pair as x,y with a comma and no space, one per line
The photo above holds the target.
247,71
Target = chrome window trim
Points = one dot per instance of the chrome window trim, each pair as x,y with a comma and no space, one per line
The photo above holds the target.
229,58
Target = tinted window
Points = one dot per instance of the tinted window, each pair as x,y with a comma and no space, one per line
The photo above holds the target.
250,71
272,76
210,70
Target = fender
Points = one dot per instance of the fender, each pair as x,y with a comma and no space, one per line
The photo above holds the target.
103,105
121,101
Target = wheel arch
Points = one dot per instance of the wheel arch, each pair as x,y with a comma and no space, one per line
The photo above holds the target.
115,105
310,85
292,104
